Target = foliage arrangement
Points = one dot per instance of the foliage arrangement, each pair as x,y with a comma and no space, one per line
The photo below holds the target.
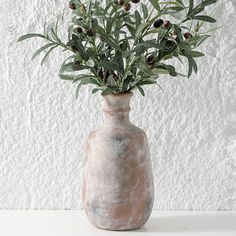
119,49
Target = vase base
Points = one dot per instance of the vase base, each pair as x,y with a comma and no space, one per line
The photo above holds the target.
118,229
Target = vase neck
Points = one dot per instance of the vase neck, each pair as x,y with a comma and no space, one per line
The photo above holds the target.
116,109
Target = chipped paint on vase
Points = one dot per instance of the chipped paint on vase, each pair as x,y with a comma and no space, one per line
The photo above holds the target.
118,190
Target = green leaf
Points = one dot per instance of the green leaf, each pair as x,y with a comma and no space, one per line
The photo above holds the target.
70,31
169,68
143,68
67,67
148,44
126,84
119,60
139,49
138,19
109,65
153,31
131,29
156,4
145,82
109,26
196,11
145,10
54,35
141,29
185,45
180,2
79,46
208,2
96,90
192,65
90,63
191,2
87,78
140,90
47,54
196,54
27,36
175,9
179,34
111,81
42,49
77,90
110,41
109,90
205,18
160,71
108,5
67,77
196,41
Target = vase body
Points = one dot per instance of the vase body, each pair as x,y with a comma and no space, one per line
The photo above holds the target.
118,188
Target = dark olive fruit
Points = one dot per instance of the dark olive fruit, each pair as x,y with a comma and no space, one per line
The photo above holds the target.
152,66
76,65
74,49
100,73
151,60
72,6
90,33
135,1
107,74
187,35
79,30
158,23
127,6
121,2
167,24
169,43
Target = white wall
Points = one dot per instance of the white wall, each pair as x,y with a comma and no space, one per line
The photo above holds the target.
191,125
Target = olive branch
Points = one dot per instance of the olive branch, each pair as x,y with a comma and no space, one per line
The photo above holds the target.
118,49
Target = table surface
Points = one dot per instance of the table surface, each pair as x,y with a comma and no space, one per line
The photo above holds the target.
75,223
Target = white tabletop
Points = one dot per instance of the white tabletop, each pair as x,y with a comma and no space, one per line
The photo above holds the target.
75,223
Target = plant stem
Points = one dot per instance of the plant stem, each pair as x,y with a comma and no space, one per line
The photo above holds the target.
60,44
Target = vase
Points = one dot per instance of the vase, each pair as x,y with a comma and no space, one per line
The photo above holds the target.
118,189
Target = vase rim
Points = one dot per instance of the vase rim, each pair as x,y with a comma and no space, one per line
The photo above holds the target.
119,94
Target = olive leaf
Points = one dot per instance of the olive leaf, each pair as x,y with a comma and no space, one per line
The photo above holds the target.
140,90
47,54
42,49
205,18
27,36
156,5
145,10
196,54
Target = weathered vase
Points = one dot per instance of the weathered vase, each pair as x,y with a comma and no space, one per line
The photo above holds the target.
118,180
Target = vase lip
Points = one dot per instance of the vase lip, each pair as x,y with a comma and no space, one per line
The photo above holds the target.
128,94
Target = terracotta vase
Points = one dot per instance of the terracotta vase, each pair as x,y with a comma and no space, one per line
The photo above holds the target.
118,180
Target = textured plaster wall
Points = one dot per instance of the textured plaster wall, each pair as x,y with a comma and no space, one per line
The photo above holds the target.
191,126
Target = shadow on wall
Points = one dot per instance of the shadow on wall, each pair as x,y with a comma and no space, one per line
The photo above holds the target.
191,223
